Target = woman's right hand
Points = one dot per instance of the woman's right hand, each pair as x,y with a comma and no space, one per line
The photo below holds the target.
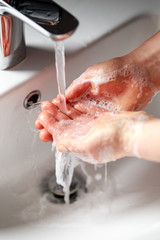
120,84
115,85
126,83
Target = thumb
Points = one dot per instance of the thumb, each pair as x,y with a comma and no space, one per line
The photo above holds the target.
77,88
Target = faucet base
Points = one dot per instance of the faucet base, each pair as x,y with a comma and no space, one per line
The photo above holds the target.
43,15
15,58
13,52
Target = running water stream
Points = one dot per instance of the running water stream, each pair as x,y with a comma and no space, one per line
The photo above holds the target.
65,162
60,71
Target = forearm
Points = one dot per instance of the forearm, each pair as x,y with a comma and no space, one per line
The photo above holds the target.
146,141
148,55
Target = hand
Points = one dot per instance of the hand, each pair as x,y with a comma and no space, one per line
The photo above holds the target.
119,84
102,139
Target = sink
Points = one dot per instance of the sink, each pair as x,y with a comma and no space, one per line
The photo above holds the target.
126,206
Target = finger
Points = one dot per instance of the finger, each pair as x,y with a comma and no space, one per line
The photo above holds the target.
90,108
45,136
72,113
48,121
38,125
54,110
76,89
49,107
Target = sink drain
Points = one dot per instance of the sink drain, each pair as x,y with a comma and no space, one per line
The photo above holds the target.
32,99
55,191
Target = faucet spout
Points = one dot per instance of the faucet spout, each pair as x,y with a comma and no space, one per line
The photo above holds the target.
45,16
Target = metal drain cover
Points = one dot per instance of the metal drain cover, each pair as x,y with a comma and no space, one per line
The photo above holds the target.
55,192
57,189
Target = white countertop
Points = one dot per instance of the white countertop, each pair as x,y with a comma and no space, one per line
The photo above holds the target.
96,19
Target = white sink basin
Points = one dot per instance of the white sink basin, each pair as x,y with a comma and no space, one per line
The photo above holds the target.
126,207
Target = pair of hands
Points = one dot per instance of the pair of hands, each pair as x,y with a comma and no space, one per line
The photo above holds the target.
97,123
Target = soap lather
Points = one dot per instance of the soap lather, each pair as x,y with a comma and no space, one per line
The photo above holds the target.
45,16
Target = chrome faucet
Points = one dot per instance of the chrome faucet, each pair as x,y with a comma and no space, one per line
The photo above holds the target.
45,16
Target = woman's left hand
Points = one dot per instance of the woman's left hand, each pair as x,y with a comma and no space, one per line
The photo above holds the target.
104,137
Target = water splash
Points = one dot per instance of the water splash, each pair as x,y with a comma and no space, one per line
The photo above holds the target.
65,164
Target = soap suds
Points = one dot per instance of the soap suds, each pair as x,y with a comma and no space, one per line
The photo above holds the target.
127,78
139,74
